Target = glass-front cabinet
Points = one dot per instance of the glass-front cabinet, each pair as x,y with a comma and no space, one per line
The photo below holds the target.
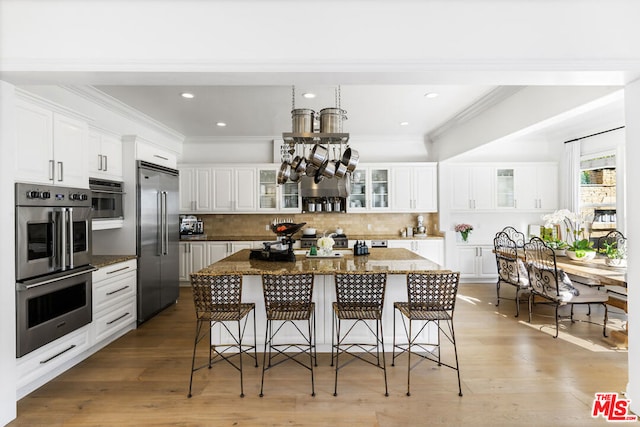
359,187
268,187
379,188
505,188
290,196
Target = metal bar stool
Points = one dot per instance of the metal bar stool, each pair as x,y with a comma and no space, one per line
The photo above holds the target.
287,300
217,299
359,298
432,298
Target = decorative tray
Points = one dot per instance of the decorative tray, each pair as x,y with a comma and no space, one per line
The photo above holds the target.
333,255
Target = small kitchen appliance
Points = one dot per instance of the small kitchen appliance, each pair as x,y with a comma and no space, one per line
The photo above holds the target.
421,230
282,249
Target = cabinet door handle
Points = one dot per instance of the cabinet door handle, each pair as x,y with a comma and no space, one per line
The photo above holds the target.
160,157
42,362
99,162
61,172
119,269
106,164
118,318
52,170
117,290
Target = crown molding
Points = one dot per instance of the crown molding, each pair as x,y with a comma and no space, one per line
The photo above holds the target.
491,99
118,107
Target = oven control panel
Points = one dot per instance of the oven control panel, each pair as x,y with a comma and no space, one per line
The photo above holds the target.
49,195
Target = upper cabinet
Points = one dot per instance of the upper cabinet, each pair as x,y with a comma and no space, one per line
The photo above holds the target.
105,155
370,188
273,197
51,146
195,190
234,189
414,187
526,186
149,152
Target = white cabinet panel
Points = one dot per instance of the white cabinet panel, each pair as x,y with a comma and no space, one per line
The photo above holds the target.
223,189
414,188
51,147
537,187
472,187
245,190
195,190
105,155
151,153
432,249
476,263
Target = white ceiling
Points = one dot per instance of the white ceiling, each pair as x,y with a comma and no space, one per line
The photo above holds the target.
266,110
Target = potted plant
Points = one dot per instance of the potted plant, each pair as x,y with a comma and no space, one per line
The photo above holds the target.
581,250
558,246
464,230
615,257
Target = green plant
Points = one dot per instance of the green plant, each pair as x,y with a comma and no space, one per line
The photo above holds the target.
580,247
555,243
612,252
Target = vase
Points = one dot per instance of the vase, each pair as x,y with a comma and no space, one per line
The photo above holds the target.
465,235
325,251
615,262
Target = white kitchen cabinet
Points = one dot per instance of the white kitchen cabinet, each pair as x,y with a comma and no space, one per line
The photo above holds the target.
370,189
195,189
149,152
472,187
536,186
432,249
360,187
234,189
51,146
273,197
476,262
414,188
105,155
219,250
114,302
194,256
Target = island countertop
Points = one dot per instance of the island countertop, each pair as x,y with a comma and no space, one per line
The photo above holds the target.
392,261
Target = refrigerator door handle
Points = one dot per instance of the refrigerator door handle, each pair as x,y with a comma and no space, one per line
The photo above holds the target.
160,241
165,224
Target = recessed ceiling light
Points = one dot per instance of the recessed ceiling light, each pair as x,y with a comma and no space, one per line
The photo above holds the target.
404,123
431,95
309,95
221,124
187,95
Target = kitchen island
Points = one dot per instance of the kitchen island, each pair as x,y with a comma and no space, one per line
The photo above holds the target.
395,262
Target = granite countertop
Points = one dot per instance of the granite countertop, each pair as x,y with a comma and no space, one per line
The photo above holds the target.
272,237
100,261
392,261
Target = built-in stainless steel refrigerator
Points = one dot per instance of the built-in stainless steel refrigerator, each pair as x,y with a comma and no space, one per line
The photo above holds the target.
158,239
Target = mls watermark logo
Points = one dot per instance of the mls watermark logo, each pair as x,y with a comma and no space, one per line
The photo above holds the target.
611,408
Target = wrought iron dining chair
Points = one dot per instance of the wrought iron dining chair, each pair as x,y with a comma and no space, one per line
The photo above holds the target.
553,285
515,235
431,301
217,299
511,268
287,300
359,299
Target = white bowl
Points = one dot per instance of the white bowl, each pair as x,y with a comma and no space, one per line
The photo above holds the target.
588,255
309,232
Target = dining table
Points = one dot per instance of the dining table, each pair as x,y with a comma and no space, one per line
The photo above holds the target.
612,279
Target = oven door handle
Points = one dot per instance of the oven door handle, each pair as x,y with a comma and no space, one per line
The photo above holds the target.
108,192
70,229
24,287
63,239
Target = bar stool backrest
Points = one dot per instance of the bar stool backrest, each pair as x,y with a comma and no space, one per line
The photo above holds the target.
216,292
287,292
432,291
358,290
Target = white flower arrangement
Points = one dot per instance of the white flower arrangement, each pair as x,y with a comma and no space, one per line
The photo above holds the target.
326,243
575,224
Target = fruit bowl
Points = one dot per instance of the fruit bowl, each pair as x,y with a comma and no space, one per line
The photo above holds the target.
287,228
581,255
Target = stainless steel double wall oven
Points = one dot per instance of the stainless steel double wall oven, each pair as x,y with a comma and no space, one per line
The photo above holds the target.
53,255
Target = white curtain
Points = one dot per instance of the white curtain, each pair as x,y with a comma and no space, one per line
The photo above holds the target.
571,169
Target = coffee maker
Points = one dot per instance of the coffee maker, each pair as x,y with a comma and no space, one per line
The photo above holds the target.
421,230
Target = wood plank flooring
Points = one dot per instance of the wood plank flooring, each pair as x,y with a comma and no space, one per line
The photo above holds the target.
512,375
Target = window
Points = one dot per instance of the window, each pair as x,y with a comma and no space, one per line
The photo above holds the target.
598,192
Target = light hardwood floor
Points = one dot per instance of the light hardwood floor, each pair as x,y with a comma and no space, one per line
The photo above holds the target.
512,375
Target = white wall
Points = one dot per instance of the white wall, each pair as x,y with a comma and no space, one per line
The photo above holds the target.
632,107
7,257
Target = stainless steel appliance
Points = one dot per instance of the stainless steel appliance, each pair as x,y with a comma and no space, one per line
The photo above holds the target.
341,241
157,239
106,198
53,271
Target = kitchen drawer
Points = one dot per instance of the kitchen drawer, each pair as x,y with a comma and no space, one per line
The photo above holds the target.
114,320
114,270
40,364
109,292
